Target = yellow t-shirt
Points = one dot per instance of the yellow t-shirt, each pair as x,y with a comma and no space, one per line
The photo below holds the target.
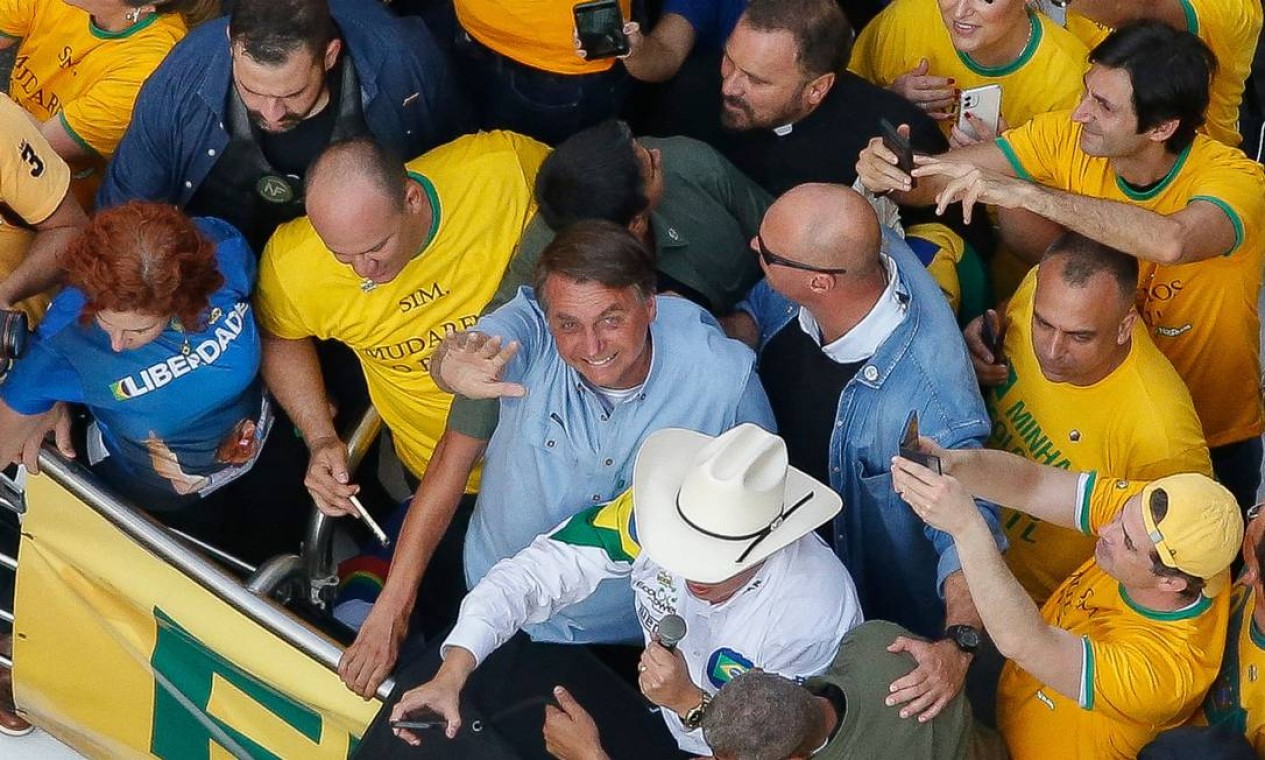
946,249
1045,77
480,187
1202,315
1142,671
69,69
33,183
1237,697
536,33
1151,431
1231,28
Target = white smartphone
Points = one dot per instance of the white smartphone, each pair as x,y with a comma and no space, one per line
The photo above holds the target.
982,102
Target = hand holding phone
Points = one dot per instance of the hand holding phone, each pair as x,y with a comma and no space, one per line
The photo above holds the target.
424,719
899,144
993,333
909,445
599,25
983,103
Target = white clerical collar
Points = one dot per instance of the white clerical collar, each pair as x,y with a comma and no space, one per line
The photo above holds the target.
860,343
784,130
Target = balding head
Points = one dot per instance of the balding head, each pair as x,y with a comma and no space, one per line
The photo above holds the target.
827,226
366,209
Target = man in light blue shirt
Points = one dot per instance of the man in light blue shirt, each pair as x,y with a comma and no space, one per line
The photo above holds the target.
586,365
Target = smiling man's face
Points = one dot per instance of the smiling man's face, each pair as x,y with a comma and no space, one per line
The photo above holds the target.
603,333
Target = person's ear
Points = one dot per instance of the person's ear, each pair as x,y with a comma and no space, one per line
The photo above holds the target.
1125,331
639,224
331,53
819,88
1173,584
415,199
1162,131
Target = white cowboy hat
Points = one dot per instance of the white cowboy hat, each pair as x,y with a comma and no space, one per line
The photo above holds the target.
708,508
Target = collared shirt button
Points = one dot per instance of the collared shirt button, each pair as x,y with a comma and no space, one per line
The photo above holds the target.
673,234
597,497
210,151
188,184
549,443
834,469
610,462
839,423
870,373
605,417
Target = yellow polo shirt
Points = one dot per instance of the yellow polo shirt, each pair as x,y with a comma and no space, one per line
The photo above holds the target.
69,69
480,187
1231,28
1045,77
1203,315
1142,671
535,33
1151,431
1237,697
33,183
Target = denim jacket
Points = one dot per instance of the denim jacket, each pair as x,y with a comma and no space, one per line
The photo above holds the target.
899,563
410,100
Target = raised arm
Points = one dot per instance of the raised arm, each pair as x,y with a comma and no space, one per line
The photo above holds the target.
877,169
1012,481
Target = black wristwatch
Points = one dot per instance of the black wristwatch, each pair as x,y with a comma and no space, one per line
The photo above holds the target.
965,637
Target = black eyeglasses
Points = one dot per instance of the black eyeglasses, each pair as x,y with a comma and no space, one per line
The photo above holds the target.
770,258
759,535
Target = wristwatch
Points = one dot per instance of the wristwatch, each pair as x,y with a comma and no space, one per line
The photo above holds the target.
694,716
965,637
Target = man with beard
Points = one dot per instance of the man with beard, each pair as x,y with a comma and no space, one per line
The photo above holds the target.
229,123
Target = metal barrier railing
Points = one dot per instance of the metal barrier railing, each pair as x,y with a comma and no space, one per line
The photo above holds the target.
314,567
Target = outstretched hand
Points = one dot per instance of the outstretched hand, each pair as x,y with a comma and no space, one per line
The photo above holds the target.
471,364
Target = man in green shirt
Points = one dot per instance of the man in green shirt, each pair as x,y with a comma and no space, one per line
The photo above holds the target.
686,203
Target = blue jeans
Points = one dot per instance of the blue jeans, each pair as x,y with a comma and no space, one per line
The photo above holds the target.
547,106
1238,467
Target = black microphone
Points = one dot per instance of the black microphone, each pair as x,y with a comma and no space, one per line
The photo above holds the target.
671,630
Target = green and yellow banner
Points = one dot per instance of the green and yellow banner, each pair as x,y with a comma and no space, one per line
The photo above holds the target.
119,655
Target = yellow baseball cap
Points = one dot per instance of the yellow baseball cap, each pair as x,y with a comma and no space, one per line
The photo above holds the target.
1202,530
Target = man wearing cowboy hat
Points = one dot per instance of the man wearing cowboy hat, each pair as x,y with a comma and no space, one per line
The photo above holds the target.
718,531
1125,647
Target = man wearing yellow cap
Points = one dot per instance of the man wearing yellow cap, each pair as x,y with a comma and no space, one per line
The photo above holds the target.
1128,645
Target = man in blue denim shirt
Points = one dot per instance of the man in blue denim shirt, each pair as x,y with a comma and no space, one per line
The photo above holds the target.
592,363
852,335
229,122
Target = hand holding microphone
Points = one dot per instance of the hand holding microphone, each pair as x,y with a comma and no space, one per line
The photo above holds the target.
665,677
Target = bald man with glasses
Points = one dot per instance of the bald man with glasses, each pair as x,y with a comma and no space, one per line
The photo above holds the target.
852,334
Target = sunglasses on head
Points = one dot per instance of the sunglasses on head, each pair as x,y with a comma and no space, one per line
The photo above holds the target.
770,259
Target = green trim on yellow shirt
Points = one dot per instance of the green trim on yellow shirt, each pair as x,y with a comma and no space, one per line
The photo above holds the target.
102,34
1087,674
1192,19
1013,158
1255,634
1234,219
1083,507
1192,610
1146,195
1025,55
61,116
435,209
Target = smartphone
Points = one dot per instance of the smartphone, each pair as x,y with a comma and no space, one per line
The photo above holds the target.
424,719
993,333
909,445
899,144
984,103
600,27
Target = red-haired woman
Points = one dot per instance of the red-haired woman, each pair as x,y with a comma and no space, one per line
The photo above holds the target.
155,335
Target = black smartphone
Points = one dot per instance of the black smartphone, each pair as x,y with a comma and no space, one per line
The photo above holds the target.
899,144
909,445
600,27
993,333
424,719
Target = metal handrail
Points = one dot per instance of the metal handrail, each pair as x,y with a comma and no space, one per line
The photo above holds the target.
157,539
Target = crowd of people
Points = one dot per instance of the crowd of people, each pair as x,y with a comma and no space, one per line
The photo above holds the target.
812,379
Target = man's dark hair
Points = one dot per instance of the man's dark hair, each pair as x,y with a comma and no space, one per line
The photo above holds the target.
1084,258
1194,584
823,36
1171,72
270,31
594,174
762,716
361,156
597,251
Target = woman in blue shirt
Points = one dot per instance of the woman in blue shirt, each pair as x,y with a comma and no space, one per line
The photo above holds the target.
156,336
